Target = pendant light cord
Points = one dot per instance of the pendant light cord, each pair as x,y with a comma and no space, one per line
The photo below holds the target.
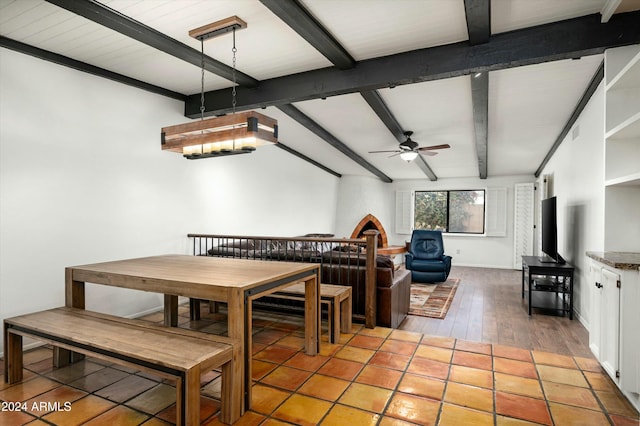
233,73
202,79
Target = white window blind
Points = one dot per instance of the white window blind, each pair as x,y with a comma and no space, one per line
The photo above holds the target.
523,233
496,209
404,212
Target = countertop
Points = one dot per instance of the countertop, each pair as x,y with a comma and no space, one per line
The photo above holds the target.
616,259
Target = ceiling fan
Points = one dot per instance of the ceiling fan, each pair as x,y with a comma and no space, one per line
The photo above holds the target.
409,149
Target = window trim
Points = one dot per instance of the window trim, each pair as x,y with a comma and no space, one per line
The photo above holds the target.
448,192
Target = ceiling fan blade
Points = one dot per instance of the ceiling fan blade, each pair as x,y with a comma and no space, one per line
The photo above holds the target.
377,152
395,155
428,153
432,147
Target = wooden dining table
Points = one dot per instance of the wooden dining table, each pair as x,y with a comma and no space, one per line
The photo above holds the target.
235,281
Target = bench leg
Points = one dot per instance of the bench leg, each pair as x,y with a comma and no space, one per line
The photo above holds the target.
334,329
12,356
231,392
345,314
63,357
190,407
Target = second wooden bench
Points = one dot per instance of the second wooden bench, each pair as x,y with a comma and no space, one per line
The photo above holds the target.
164,351
338,301
336,297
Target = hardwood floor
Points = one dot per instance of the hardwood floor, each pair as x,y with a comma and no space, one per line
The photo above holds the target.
488,307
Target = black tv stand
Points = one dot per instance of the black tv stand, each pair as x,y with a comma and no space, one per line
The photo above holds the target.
549,286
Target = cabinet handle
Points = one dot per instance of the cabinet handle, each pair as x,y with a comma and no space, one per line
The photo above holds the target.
598,285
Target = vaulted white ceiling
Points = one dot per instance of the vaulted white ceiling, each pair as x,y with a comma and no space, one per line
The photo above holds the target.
528,105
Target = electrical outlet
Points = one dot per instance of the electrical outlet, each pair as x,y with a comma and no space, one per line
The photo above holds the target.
457,251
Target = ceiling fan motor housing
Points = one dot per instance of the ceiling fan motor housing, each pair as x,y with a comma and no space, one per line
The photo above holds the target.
409,145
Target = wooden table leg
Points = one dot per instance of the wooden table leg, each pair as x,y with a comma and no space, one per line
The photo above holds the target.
239,328
312,315
170,310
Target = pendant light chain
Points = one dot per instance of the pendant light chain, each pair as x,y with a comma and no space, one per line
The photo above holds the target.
222,133
233,90
202,79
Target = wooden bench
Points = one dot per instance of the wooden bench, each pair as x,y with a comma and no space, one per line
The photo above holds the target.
338,301
330,294
165,351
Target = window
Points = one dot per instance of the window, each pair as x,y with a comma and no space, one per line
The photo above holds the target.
450,211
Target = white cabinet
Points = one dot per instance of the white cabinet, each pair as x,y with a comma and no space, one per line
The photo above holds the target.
614,335
605,332
610,323
595,323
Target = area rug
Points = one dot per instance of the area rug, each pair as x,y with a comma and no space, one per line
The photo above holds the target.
432,300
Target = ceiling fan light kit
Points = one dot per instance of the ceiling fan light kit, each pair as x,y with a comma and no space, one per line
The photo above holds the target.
408,156
225,135
408,150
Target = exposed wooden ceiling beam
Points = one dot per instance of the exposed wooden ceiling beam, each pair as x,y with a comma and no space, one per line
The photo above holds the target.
383,112
480,100
422,163
318,130
123,24
302,22
88,68
586,96
307,159
478,14
559,40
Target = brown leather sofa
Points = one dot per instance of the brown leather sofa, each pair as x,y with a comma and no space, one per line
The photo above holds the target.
345,265
394,286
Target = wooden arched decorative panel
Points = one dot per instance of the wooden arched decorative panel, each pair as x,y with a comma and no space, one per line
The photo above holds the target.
371,222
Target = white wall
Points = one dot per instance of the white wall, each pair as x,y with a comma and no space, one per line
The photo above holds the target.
359,196
577,171
83,180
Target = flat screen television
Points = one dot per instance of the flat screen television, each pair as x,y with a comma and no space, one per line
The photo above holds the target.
550,232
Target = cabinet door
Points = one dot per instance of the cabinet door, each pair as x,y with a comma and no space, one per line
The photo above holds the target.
610,324
629,334
595,322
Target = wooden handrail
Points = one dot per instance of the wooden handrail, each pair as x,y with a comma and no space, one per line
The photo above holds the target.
263,237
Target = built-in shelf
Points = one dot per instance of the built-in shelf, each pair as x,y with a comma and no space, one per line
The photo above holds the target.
630,128
622,148
628,76
628,180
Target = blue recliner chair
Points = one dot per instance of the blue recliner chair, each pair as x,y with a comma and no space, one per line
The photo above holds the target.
426,259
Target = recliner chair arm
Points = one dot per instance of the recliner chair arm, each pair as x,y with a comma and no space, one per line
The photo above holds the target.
408,259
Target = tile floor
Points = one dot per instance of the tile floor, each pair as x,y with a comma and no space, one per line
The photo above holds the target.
373,376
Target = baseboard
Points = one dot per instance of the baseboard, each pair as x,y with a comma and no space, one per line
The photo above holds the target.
582,320
475,265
